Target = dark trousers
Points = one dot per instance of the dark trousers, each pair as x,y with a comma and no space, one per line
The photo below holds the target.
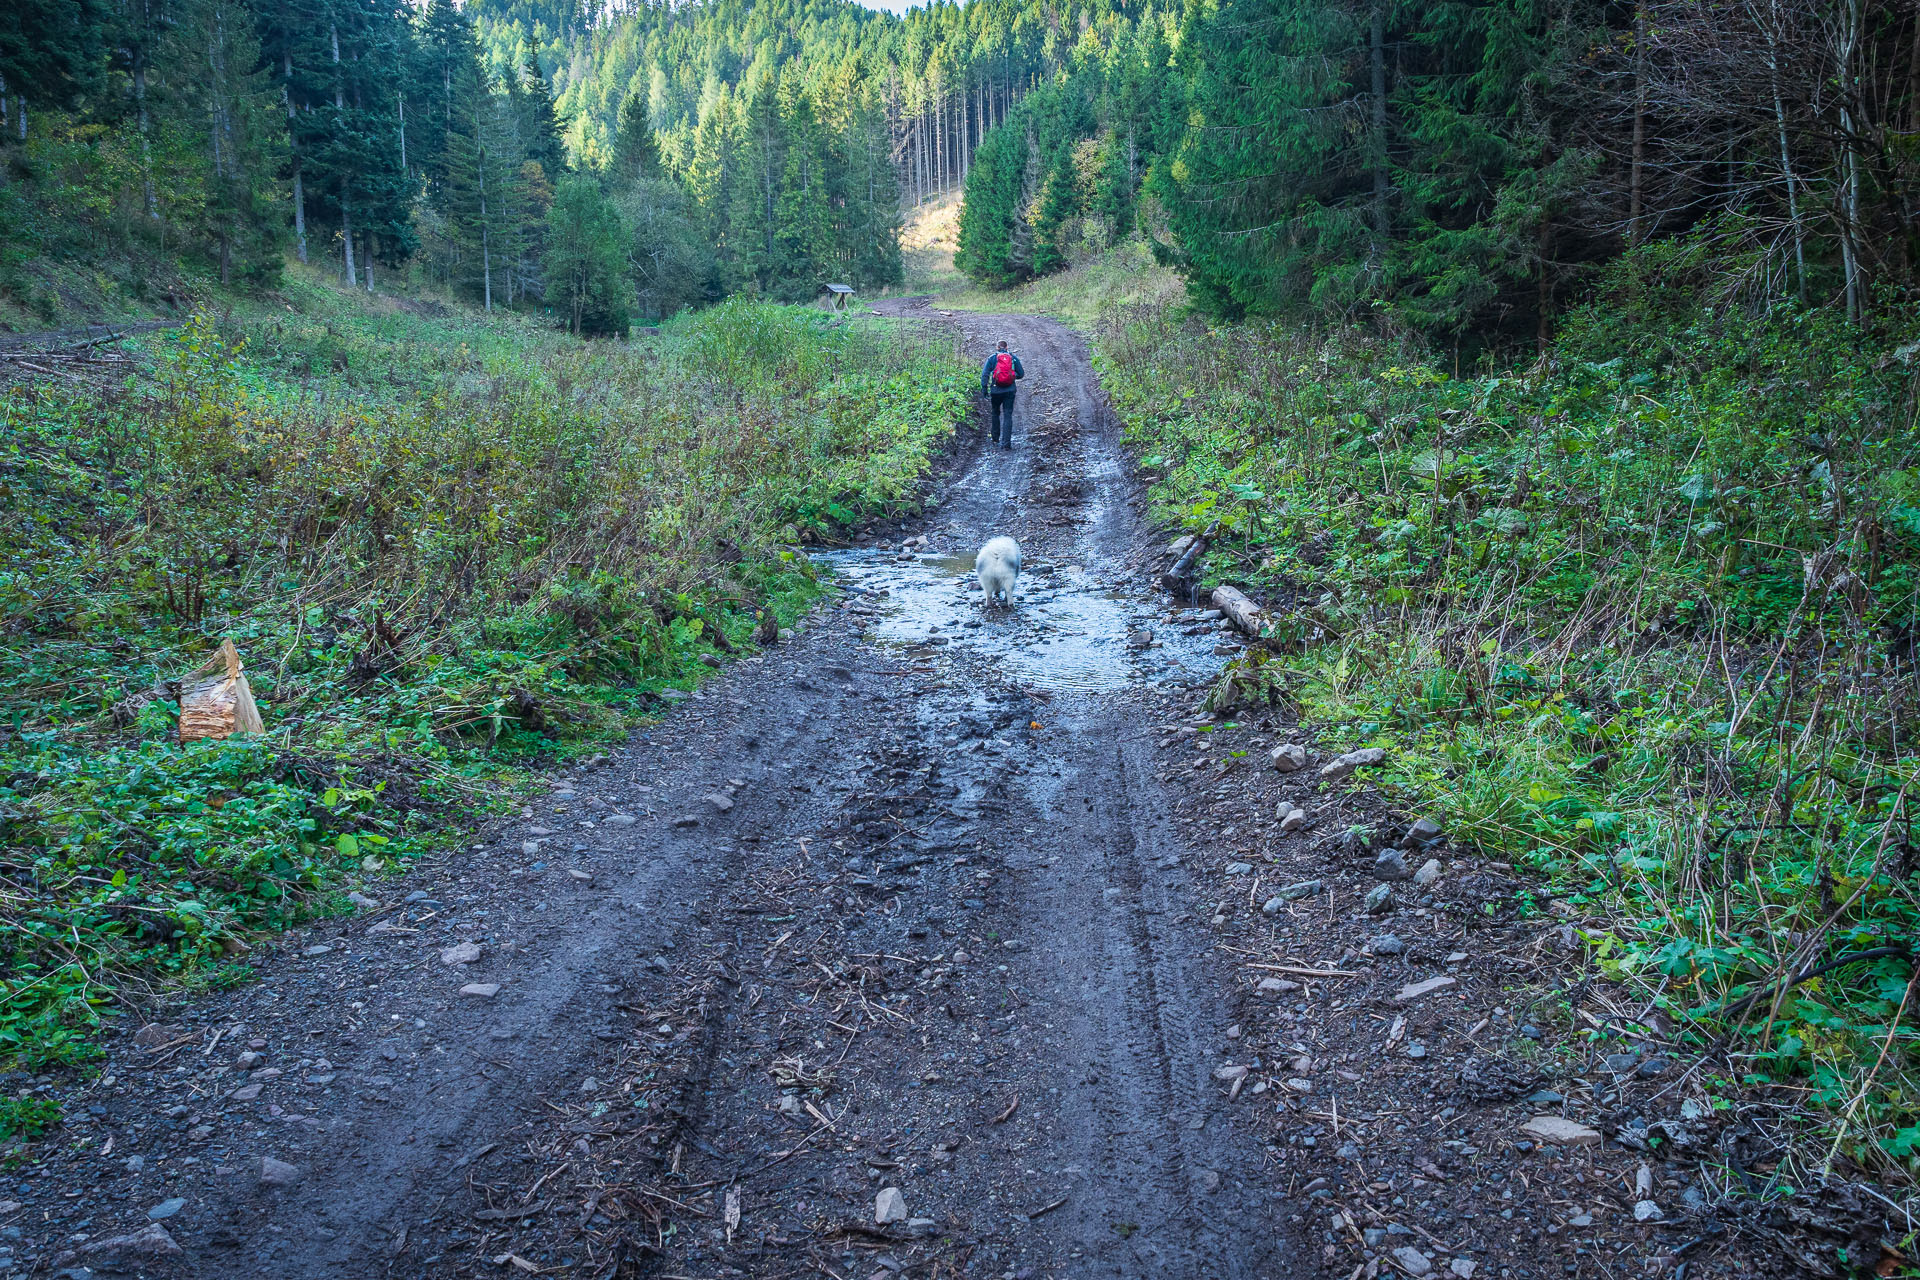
1002,402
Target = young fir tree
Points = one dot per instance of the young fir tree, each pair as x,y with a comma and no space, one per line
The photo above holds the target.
636,152
539,124
586,259
759,170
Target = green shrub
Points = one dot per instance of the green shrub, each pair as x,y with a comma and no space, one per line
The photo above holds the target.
27,1117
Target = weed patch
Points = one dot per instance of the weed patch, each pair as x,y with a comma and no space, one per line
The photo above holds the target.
449,549
27,1118
1643,623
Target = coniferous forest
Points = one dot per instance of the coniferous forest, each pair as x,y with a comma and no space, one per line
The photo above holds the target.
1459,168
1463,168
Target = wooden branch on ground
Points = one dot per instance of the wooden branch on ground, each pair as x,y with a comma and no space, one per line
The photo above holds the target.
1175,579
1246,616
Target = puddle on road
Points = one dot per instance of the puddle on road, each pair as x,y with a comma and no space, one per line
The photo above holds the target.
1068,632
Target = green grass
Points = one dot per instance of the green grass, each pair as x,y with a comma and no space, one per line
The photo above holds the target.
1085,294
447,548
27,1118
1638,616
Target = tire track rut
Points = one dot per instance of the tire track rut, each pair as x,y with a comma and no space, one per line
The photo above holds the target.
936,938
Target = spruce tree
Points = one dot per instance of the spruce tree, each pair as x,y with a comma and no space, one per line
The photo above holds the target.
52,54
760,170
868,206
803,249
636,152
539,124
449,78
243,218
712,168
586,262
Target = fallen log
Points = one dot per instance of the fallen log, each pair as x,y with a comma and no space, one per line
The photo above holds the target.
1176,578
1244,614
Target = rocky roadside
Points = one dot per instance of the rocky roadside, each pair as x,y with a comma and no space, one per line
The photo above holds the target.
1444,1081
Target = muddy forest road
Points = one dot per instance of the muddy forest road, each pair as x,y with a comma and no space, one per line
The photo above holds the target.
899,904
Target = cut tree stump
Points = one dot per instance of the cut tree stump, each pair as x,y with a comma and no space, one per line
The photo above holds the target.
216,701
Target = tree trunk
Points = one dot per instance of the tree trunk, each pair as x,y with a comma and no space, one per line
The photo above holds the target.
299,213
1635,183
1913,79
1177,578
1544,299
1786,159
486,247
151,199
346,236
1246,616
403,134
975,132
299,192
346,193
1849,43
1379,51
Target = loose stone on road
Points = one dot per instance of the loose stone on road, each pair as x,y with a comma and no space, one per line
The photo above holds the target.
873,957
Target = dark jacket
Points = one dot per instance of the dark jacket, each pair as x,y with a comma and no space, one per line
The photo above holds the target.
986,376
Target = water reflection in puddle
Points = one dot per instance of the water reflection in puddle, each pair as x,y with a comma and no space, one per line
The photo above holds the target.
1068,632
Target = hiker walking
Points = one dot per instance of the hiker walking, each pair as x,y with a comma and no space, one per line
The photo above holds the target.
997,378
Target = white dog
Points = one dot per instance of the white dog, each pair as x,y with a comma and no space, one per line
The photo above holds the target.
998,568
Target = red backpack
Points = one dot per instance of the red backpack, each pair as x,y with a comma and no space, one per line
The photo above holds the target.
1003,370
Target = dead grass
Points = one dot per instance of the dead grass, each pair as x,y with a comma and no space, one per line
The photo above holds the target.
1123,276
927,242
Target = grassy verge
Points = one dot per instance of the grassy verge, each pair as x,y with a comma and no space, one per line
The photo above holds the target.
1087,293
1641,617
446,548
926,246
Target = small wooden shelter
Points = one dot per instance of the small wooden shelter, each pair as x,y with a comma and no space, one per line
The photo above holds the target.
837,295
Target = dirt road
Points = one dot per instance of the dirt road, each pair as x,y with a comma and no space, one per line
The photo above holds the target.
893,915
